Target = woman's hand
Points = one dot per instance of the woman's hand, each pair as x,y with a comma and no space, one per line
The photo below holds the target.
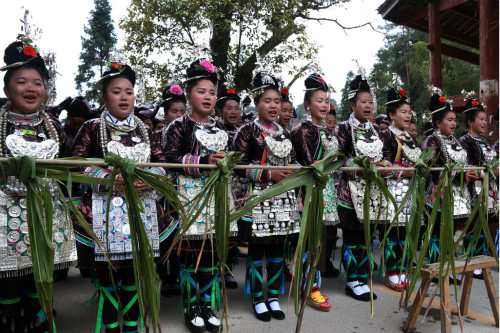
471,176
213,159
279,175
383,164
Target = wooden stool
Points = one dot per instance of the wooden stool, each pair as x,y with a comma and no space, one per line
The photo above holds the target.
429,272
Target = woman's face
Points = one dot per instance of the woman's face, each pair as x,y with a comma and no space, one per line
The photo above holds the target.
230,112
331,122
318,108
363,107
480,124
202,98
402,117
448,125
25,91
285,113
119,98
413,130
159,126
175,110
268,106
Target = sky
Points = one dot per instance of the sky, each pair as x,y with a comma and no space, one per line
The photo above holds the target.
62,22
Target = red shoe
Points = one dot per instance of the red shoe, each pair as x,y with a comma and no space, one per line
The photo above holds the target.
318,301
393,281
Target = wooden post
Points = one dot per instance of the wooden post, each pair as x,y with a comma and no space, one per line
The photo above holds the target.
436,70
488,59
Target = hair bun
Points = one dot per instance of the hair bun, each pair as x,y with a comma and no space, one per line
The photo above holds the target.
227,94
173,93
438,103
396,94
473,104
20,53
265,80
115,68
358,84
315,82
201,69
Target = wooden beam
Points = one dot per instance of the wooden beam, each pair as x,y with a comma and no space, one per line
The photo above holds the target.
488,41
458,53
423,12
435,68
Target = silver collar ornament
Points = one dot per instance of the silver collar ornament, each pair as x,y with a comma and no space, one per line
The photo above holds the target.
212,142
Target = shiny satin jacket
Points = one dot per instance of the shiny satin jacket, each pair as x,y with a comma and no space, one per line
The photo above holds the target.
432,142
479,153
180,144
249,140
392,150
33,133
306,140
343,132
87,144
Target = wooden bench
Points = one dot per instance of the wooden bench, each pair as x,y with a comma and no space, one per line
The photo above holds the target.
430,272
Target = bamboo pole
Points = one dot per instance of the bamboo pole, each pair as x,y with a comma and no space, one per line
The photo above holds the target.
83,163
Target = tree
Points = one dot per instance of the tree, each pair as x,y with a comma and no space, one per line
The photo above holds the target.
96,48
405,59
233,32
345,110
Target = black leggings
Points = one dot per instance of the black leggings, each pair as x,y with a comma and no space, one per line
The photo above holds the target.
19,305
206,277
355,256
126,293
275,256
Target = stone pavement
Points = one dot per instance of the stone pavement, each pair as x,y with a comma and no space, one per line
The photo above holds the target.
347,315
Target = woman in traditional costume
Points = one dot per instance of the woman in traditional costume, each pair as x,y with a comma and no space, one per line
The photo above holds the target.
27,130
285,113
264,142
401,149
357,136
446,149
198,139
312,141
116,131
479,153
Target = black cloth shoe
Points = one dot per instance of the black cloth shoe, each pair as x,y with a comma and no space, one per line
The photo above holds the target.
193,320
276,314
330,270
212,323
365,297
264,316
230,281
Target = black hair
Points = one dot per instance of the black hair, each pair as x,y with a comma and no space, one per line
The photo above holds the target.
439,116
394,107
191,84
169,103
308,95
332,113
106,82
8,75
471,116
358,84
257,98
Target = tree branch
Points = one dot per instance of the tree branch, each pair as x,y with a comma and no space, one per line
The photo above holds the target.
323,19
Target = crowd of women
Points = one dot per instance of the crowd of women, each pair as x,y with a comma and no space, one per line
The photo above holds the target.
196,137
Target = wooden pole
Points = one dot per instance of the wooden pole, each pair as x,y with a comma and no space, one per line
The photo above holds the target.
488,59
436,71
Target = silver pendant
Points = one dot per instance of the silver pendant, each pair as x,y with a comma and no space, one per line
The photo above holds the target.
42,135
115,138
117,201
136,139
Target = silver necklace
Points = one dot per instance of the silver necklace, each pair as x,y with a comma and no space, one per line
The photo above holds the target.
279,130
44,118
487,153
447,143
104,123
373,149
209,124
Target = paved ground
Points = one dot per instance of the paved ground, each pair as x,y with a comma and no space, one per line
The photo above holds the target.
347,315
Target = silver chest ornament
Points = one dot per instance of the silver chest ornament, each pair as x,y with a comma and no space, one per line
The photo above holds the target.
412,154
459,155
139,153
46,150
280,150
371,149
213,142
329,144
